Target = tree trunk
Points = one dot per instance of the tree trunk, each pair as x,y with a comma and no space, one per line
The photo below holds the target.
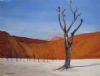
67,53
67,58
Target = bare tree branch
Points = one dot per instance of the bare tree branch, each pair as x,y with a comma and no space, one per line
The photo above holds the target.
59,18
77,27
63,18
72,34
75,16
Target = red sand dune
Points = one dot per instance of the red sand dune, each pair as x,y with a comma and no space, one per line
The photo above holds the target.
84,46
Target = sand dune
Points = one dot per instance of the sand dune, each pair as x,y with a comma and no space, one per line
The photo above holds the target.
84,46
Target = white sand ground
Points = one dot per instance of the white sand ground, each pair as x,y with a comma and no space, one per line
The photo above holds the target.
82,67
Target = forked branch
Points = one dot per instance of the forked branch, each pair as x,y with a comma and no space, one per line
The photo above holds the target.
72,34
75,15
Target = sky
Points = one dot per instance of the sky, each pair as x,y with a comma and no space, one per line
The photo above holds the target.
38,18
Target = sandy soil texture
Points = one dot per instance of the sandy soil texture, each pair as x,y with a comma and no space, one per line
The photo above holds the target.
81,67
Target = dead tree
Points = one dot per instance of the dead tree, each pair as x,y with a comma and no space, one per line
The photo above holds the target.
68,37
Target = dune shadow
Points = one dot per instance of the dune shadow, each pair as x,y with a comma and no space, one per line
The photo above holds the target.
10,73
88,65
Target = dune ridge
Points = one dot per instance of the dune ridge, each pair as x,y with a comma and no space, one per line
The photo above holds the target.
84,46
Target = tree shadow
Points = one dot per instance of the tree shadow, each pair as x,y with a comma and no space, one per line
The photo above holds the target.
88,65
